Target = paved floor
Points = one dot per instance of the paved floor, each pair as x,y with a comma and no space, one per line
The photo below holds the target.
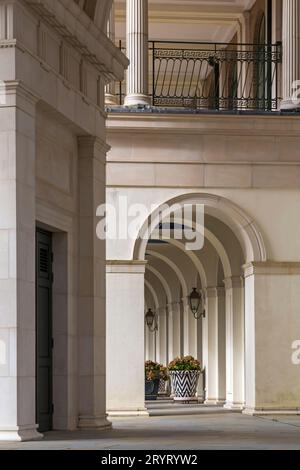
206,428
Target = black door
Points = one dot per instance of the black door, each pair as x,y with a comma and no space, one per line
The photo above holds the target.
44,407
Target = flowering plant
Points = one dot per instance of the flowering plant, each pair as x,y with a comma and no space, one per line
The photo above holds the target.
163,373
184,363
152,370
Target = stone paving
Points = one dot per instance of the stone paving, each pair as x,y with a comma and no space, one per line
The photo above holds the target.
176,429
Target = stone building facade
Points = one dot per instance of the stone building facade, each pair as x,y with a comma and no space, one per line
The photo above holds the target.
206,117
55,61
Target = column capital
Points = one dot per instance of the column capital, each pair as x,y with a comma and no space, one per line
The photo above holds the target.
271,268
214,291
126,266
220,291
233,282
161,311
173,304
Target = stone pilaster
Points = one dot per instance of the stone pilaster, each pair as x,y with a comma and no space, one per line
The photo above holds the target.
234,304
189,330
213,341
91,313
137,92
17,263
125,338
174,317
291,54
162,343
272,326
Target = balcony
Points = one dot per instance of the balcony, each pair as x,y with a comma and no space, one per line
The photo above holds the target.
199,77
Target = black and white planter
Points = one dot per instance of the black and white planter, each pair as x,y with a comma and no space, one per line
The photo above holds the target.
162,387
184,384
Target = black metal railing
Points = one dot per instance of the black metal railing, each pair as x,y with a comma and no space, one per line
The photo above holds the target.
213,76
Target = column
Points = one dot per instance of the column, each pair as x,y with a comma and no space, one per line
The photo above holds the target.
137,92
174,312
91,312
199,356
110,89
190,325
170,333
272,329
162,336
17,263
234,298
244,69
146,345
214,334
152,343
221,345
291,54
125,338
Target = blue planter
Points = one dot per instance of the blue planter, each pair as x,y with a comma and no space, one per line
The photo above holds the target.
151,389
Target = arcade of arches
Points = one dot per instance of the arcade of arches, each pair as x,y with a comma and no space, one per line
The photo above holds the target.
237,281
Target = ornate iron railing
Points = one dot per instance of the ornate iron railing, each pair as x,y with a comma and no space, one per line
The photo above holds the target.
214,76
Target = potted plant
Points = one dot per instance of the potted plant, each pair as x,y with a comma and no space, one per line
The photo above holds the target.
184,373
152,377
163,378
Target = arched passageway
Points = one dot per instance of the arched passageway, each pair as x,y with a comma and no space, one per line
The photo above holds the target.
166,272
217,340
161,274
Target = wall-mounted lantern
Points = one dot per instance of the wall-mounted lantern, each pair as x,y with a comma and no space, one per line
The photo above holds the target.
151,320
196,302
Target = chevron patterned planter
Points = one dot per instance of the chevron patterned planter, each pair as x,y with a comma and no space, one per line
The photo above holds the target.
162,386
184,384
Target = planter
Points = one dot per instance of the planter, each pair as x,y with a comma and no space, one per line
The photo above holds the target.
184,384
151,389
162,387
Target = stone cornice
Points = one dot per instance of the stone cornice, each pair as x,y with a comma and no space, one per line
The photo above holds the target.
206,124
4,44
82,34
17,94
118,262
272,268
125,266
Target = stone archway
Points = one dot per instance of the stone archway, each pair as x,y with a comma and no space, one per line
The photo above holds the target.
247,245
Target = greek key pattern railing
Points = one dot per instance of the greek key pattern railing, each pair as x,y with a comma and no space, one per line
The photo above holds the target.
214,76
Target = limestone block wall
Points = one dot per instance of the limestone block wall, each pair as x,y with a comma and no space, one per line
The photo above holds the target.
253,162
54,63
